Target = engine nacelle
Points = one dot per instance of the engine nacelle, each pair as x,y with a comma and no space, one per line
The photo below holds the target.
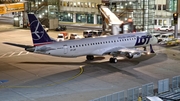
133,55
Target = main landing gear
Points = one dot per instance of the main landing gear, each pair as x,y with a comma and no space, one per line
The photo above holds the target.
113,60
90,57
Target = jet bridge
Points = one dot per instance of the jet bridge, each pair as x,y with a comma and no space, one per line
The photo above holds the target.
109,19
13,7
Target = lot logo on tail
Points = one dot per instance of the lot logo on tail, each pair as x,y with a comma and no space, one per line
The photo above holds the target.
37,31
142,40
39,35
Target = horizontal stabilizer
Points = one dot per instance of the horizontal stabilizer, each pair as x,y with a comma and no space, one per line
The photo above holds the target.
18,45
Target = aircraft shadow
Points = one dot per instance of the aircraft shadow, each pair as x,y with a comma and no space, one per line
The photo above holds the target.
91,69
160,57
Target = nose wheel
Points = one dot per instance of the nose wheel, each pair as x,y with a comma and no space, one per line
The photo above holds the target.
113,60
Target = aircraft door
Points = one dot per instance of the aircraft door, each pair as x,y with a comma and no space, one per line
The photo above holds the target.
65,47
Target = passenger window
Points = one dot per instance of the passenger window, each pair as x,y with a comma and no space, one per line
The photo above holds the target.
70,46
76,45
117,41
101,42
114,40
73,46
109,41
82,45
79,45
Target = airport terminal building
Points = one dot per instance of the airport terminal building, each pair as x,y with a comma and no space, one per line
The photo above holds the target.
86,11
145,14
75,11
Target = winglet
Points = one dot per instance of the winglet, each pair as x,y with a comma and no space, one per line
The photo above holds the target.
39,35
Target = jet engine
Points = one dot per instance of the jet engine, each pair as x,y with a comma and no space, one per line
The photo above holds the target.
30,49
133,55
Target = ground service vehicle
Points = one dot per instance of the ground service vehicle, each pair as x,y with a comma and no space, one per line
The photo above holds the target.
87,33
60,28
166,37
173,42
65,34
97,32
166,28
60,37
74,36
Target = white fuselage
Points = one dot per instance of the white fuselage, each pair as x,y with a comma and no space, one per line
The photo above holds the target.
95,46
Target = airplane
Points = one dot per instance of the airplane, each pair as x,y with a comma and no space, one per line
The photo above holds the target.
114,45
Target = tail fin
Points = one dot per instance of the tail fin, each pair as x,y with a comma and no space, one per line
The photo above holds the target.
39,35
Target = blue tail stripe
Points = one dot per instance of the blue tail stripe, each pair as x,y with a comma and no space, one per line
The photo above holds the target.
38,33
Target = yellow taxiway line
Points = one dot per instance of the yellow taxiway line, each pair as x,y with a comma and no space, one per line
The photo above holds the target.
47,85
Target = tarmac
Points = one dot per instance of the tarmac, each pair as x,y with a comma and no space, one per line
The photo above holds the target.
32,77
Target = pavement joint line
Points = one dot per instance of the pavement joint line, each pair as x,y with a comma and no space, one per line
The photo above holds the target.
3,55
48,85
22,95
20,52
11,54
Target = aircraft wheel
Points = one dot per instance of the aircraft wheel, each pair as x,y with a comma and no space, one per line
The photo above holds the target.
113,60
90,57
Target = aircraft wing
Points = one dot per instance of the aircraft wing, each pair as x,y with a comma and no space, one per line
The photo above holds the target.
128,52
107,50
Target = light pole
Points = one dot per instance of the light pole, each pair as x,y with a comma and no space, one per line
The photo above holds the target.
175,18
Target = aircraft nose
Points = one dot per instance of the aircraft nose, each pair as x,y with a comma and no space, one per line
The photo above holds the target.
155,39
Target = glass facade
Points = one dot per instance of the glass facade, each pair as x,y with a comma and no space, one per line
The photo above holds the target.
99,19
85,11
90,18
83,4
171,5
81,18
82,11
141,12
65,16
84,18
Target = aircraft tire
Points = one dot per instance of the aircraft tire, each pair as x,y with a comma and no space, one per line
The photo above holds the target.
113,60
90,57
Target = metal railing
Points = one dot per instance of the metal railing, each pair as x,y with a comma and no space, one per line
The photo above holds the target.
145,90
